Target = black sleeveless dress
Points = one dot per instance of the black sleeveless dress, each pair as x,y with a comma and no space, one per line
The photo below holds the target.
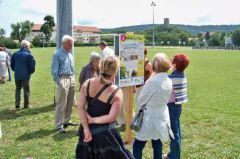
106,141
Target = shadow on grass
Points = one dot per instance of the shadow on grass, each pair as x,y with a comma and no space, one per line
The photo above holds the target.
46,132
8,114
36,135
67,135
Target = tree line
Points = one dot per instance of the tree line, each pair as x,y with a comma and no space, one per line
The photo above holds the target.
165,35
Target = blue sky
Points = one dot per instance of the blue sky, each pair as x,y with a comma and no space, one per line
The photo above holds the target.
115,13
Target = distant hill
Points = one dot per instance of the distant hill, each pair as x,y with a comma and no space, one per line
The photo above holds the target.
190,28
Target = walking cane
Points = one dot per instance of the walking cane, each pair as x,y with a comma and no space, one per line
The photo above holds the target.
9,74
54,98
9,69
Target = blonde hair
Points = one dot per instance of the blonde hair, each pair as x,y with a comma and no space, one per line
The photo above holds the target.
109,67
161,63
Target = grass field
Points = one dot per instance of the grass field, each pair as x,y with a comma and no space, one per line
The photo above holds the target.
210,121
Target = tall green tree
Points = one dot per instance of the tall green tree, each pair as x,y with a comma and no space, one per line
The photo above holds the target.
2,32
215,40
47,27
236,37
21,29
199,35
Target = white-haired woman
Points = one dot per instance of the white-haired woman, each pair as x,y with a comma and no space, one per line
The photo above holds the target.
155,96
91,69
98,137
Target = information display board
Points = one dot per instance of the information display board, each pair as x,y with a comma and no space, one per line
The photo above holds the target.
131,54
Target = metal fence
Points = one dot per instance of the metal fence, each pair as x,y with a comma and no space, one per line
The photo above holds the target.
216,48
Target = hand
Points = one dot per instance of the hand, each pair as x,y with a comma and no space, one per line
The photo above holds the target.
90,119
87,135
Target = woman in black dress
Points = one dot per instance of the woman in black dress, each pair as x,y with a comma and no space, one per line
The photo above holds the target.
98,137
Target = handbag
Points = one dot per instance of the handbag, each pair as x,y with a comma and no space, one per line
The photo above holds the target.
137,120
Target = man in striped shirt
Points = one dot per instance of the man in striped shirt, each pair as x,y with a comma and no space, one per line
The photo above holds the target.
178,97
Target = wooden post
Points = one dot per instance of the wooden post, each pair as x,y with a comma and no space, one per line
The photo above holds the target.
129,113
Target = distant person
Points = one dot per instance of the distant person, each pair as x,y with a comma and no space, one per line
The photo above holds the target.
23,65
9,52
106,51
64,76
155,96
178,97
91,69
4,65
98,137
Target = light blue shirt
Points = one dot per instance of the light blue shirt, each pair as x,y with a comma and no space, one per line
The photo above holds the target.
62,64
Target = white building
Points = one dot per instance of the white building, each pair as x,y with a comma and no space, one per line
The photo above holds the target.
38,34
86,34
83,34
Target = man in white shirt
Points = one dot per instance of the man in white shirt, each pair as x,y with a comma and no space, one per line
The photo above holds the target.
106,51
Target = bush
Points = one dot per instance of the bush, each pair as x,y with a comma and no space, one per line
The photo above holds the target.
37,42
9,43
236,37
76,43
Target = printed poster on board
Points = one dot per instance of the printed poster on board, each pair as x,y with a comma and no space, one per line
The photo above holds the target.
131,53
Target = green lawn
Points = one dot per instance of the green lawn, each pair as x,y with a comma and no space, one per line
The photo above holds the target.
210,121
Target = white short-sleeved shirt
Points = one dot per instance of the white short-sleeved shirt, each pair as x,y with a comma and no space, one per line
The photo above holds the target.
107,52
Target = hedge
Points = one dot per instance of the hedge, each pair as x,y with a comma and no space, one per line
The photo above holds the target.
9,43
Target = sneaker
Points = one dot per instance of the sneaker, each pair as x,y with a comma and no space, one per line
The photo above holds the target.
61,130
69,124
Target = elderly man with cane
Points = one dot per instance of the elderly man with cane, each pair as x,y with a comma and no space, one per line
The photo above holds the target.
63,75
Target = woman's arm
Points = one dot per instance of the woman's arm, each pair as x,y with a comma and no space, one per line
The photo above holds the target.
112,116
82,76
82,112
